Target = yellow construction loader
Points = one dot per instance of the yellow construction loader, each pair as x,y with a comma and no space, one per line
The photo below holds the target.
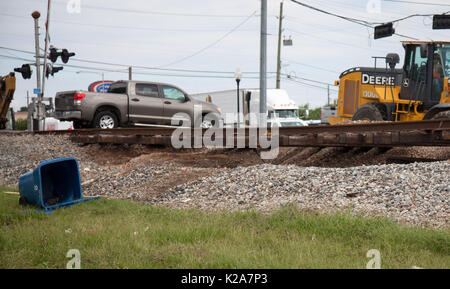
7,88
418,91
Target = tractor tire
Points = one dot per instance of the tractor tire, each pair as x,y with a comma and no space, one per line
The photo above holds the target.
368,111
105,119
442,115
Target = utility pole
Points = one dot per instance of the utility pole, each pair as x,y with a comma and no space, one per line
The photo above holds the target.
263,66
328,90
279,45
130,74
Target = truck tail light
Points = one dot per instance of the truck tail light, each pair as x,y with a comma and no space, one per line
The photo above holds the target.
78,96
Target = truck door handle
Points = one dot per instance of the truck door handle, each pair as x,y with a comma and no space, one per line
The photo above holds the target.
135,99
167,102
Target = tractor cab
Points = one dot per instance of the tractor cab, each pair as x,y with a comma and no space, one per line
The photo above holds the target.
418,91
426,68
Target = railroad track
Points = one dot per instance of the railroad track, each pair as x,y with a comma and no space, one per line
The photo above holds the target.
377,134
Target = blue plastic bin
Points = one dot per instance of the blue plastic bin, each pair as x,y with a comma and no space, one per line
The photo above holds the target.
52,184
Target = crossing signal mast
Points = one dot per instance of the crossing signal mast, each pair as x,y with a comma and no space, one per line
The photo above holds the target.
37,109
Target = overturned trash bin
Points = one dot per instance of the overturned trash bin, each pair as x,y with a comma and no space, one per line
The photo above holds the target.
52,184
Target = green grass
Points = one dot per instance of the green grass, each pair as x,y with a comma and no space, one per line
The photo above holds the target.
104,233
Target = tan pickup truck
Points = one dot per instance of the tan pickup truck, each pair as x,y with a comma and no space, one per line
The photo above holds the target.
129,103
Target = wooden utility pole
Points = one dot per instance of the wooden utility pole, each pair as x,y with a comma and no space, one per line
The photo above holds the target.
130,74
279,45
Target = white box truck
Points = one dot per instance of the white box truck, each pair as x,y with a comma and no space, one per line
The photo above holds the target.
281,109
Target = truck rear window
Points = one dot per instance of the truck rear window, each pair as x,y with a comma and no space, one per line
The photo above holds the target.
118,88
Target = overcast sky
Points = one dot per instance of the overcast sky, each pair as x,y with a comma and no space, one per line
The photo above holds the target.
165,33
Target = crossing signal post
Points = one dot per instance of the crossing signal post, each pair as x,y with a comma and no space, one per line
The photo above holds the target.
384,30
37,108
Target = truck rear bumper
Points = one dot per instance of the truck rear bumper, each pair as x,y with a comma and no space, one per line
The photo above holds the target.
67,115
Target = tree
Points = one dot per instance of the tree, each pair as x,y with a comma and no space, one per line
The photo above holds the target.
23,108
306,113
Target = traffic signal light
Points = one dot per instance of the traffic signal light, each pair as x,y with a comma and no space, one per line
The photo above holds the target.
384,30
53,56
65,55
51,70
56,69
441,21
25,70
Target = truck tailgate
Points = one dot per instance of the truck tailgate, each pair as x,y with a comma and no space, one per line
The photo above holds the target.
64,101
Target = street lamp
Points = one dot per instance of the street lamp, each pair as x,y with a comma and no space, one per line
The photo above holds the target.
237,76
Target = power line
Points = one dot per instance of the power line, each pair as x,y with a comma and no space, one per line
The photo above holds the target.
138,73
363,22
289,76
138,66
163,13
122,27
310,85
312,66
212,44
418,3
332,40
354,20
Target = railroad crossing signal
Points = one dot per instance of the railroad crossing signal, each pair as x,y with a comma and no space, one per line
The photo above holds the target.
384,30
53,55
51,70
65,55
25,70
441,21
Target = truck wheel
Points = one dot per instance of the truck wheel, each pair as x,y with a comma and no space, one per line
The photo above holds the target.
369,112
442,115
105,119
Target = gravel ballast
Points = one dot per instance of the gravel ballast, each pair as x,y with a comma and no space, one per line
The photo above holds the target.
414,194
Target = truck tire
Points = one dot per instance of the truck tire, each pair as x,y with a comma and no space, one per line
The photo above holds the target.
442,115
105,119
368,111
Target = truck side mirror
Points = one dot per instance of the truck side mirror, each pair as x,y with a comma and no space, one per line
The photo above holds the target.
424,50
